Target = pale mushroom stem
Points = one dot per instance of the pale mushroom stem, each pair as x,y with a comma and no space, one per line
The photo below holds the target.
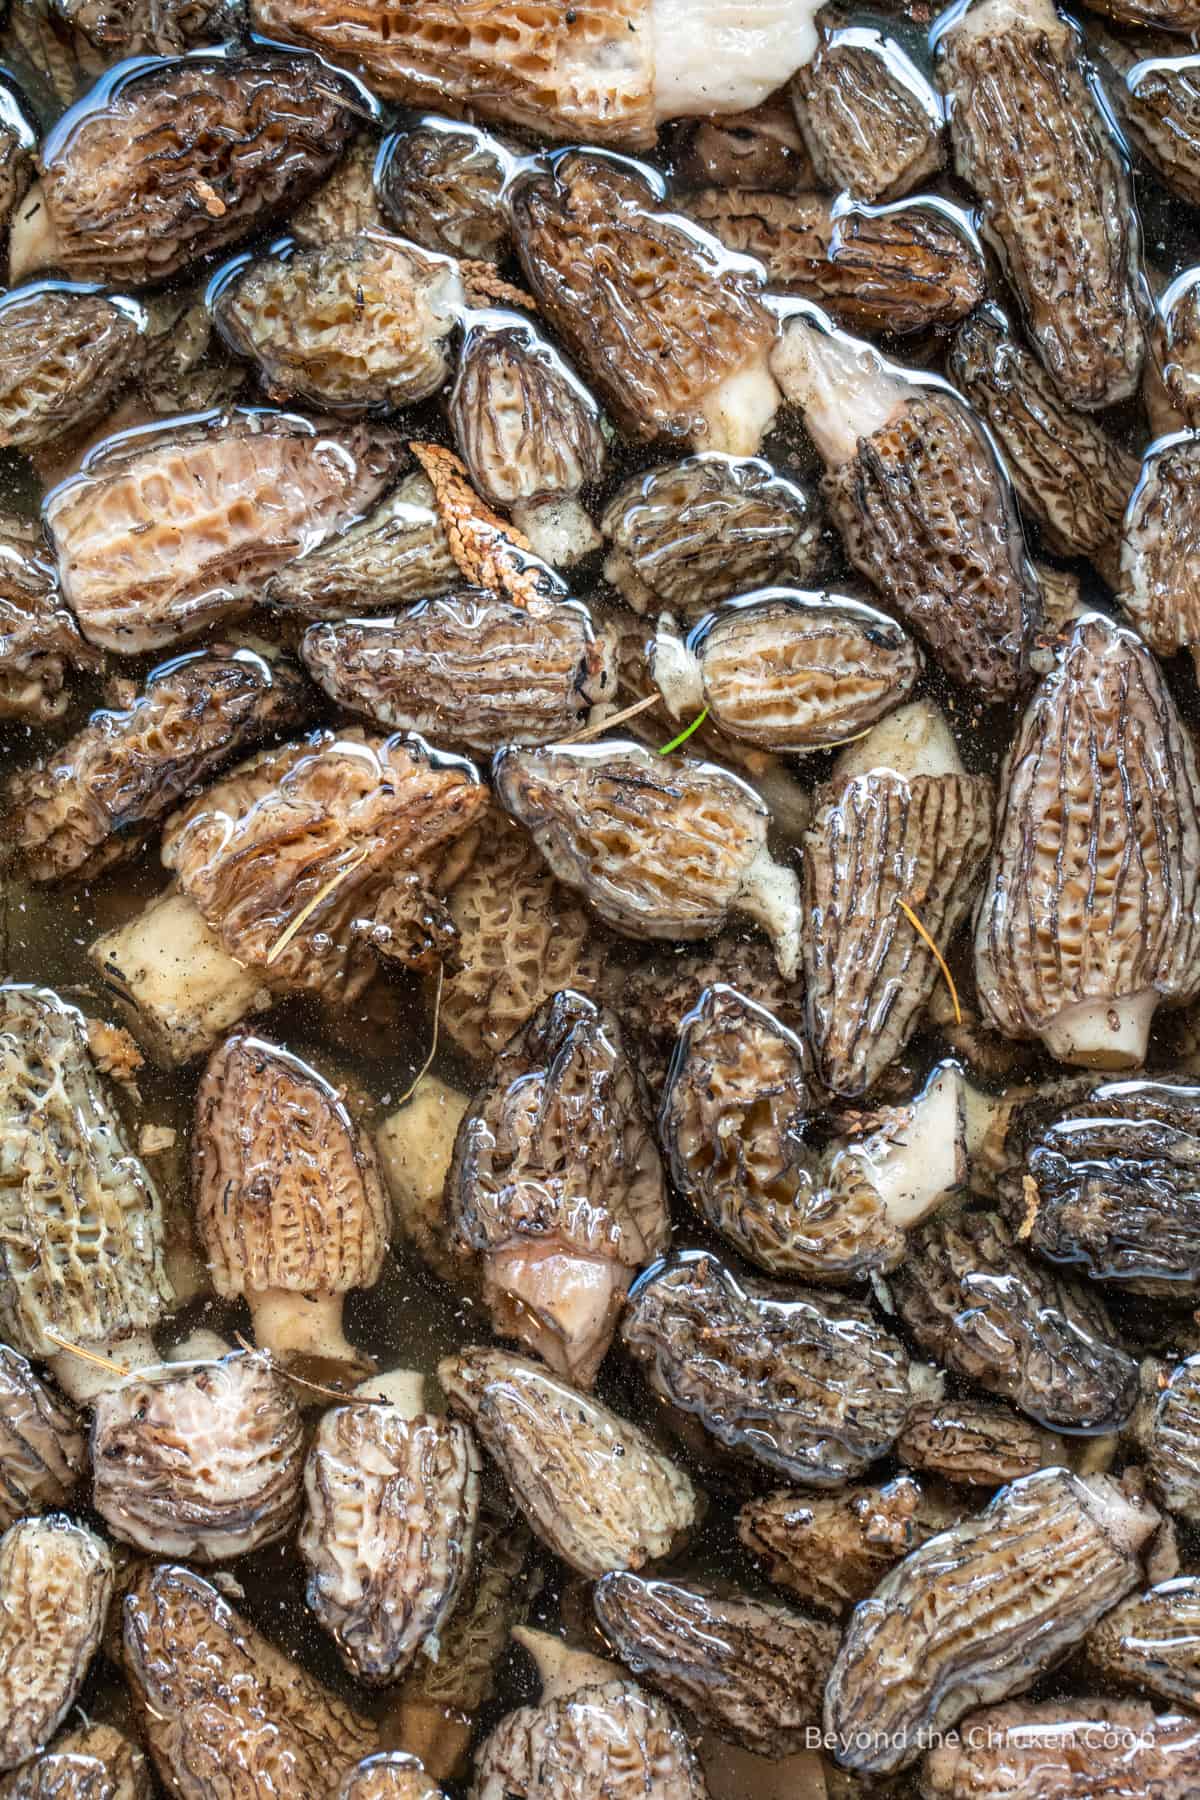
710,58
403,1389
291,1325
841,385
914,740
1103,1034
739,411
676,670
558,527
771,896
84,1379
32,239
920,1154
563,1671
180,988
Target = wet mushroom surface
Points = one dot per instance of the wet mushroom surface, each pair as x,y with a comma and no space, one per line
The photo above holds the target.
599,895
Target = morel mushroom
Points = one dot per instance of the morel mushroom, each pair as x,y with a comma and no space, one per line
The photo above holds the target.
1152,1641
86,1271
43,1448
273,866
806,1384
93,1762
530,435
1068,472
1153,83
692,533
1099,832
870,120
359,325
557,1188
65,354
213,1695
389,1528
290,1206
914,485
593,1734
442,185
202,1459
760,148
606,74
165,532
592,1486
472,669
671,328
18,140
733,1122
56,1581
1117,1185
1160,549
659,849
900,268
1172,386
172,161
831,1550
186,366
1066,1750
787,671
391,1777
39,639
396,554
1031,140
900,821
346,204
92,802
750,1670
1166,1428
976,1443
979,1612
977,1303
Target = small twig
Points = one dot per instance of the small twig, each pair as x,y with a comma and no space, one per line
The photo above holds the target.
685,734
921,932
284,939
101,1362
411,1089
1033,1200
595,731
316,1387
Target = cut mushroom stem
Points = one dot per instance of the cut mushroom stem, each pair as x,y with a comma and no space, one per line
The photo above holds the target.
303,1327
920,1153
563,1671
558,527
677,671
403,1389
914,740
179,987
83,1373
1103,1034
843,387
770,896
739,411
706,59
415,1145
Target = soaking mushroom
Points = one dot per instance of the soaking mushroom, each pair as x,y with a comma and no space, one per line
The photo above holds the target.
389,1526
976,1443
272,867
91,802
1099,832
391,1777
1166,1429
1031,140
869,118
167,530
290,1206
346,204
923,505
65,354
81,1224
1158,586
978,1612
56,1581
1153,88
901,832
415,1145
199,1459
1152,1641
760,148
396,553
442,184
212,1695
592,1485
806,1384
1070,1749
175,159
593,1733
91,1762
43,1447
734,1117
658,848
557,1188
750,1670
1172,386
671,328
39,639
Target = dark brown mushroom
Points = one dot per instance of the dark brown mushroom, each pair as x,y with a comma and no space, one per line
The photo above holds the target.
760,149
870,119
442,185
1152,1641
1160,549
390,1777
346,204
91,1762
1166,1429
65,354
1157,98
976,1443
1172,385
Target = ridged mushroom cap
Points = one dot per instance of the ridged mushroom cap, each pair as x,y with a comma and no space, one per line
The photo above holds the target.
39,639
43,1446
524,424
608,1739
65,354
394,1776
56,1581
92,1762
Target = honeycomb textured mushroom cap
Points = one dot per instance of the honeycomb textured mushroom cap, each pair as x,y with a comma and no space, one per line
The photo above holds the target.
592,1485
92,1762
177,160
346,203
608,1741
56,1581
388,1533
1158,585
442,185
524,424
1152,1642
65,354
869,119
223,1711
1065,1750
394,1776
396,554
43,1445
203,1460
172,530
39,639
91,1271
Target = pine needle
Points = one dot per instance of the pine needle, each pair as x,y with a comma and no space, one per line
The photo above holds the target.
101,1362
921,932
315,1387
595,731
306,912
411,1089
685,734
